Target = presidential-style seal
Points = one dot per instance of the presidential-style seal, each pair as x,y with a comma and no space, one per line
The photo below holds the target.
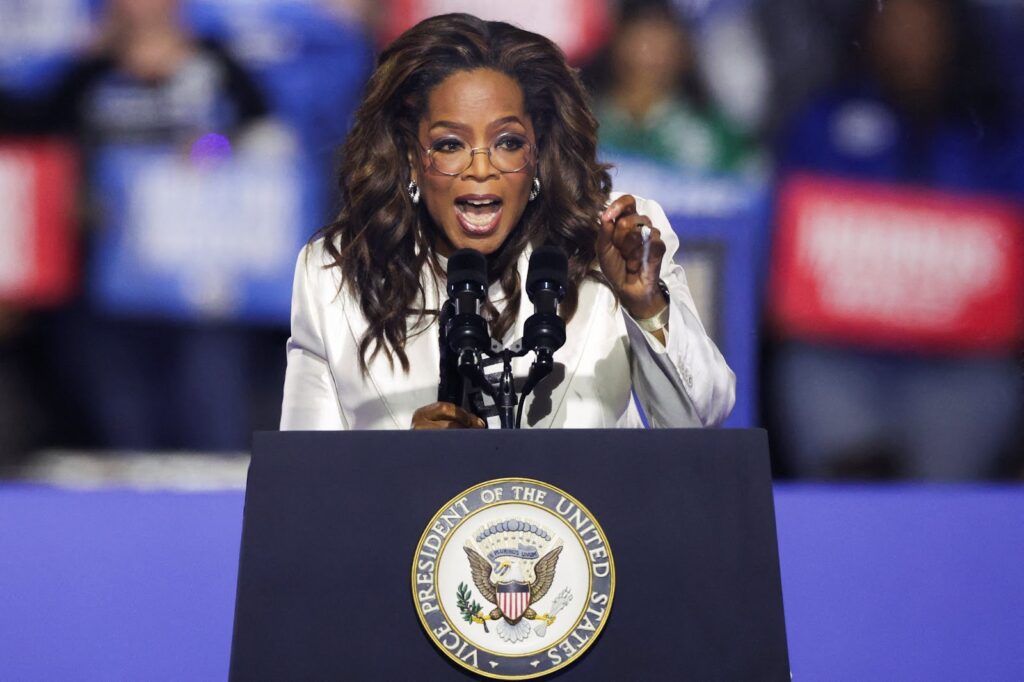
513,579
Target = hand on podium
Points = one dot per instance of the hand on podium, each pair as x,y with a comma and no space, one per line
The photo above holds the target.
442,415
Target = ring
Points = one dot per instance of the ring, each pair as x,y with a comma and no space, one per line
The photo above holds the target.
645,233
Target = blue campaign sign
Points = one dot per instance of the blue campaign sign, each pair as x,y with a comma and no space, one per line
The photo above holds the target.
312,63
39,39
199,241
722,224
312,60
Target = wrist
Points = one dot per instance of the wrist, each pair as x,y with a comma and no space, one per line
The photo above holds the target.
652,306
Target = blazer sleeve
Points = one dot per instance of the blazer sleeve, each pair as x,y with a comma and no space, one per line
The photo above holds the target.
685,382
310,395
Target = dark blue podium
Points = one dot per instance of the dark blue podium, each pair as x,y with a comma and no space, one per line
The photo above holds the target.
332,520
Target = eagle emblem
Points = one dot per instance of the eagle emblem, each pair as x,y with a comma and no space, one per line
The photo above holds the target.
513,564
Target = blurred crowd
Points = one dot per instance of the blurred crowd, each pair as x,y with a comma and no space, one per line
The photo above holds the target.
925,96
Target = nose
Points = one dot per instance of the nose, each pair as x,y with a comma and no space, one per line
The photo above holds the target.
480,166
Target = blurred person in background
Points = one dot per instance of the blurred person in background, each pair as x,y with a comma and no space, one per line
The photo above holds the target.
144,80
919,105
650,100
919,101
133,383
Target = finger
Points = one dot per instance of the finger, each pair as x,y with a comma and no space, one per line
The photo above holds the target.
658,247
430,425
437,411
468,420
647,259
624,226
627,236
624,205
445,415
453,413
640,254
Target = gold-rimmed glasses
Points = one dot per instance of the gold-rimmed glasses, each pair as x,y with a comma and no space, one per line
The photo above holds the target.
508,153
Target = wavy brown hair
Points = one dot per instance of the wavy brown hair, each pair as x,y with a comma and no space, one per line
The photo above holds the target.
381,241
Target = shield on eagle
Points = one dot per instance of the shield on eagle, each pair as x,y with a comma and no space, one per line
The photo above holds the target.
513,599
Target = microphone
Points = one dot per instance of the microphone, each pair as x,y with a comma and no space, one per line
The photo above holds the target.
462,330
546,280
467,285
544,331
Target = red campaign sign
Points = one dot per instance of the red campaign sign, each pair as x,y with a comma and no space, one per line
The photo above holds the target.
38,242
897,268
579,27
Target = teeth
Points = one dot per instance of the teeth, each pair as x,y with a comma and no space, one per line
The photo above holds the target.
481,220
476,217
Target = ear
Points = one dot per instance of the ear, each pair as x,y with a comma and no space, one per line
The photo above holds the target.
413,175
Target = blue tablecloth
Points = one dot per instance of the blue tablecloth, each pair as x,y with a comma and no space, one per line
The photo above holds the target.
893,583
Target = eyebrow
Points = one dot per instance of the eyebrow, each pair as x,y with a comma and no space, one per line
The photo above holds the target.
463,126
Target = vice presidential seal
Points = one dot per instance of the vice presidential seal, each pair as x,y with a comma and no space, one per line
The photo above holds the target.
513,579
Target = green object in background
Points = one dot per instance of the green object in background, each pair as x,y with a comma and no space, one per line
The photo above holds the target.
678,134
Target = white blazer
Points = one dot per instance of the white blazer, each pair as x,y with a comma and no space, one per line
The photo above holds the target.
606,356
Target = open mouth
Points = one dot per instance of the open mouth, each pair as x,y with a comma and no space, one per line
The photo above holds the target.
478,215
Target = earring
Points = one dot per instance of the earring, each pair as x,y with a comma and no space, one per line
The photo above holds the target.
535,192
414,192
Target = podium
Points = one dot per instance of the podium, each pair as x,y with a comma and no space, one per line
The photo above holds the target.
333,519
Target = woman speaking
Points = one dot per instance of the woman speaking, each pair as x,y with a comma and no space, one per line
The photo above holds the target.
476,134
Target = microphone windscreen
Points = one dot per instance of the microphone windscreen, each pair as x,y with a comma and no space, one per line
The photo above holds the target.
547,264
467,265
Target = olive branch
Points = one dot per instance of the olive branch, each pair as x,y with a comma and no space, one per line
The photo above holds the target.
468,606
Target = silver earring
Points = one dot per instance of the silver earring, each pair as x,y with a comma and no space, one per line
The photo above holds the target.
414,192
535,192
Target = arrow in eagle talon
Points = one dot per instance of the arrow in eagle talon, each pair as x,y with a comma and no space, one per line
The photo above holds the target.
561,601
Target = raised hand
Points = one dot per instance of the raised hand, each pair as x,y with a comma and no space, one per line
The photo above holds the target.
630,252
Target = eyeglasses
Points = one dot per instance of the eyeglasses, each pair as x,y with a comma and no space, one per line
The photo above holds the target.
508,154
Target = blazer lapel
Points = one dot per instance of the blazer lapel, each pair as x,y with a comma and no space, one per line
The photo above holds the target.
547,399
401,394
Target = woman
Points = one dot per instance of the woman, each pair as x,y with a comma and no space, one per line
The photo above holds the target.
652,103
477,134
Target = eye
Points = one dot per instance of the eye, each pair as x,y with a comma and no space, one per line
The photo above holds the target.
447,145
510,143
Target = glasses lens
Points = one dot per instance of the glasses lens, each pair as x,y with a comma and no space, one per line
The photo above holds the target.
510,153
450,156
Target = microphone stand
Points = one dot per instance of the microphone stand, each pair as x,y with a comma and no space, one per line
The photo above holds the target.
504,392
